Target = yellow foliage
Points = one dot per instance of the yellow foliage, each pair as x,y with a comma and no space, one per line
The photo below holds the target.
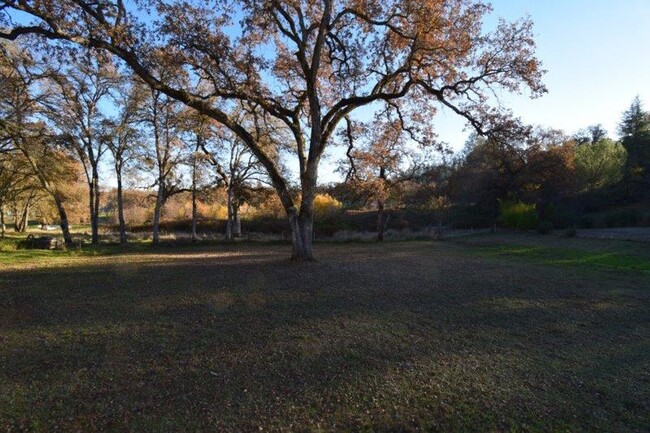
326,205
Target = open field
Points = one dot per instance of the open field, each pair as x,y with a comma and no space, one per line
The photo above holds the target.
485,333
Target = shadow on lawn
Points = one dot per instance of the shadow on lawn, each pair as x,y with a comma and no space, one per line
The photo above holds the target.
390,338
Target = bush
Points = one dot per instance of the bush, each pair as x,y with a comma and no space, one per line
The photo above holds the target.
623,218
471,216
545,227
518,215
570,232
586,222
326,206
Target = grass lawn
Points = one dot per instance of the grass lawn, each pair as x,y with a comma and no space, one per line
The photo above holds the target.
489,333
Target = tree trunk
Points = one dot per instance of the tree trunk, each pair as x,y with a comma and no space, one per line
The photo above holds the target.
63,216
156,216
120,209
380,220
230,214
2,220
302,228
21,218
194,237
94,206
194,157
236,223
24,216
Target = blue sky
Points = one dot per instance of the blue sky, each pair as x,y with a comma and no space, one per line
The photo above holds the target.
597,53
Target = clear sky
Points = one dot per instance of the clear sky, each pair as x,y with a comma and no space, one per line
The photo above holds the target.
597,54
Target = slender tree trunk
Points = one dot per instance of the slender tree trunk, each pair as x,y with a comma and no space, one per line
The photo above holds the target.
380,205
236,223
229,222
380,220
156,215
2,220
24,216
194,237
120,208
91,210
63,216
94,206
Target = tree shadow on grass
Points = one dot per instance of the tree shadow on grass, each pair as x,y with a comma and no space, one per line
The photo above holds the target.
386,339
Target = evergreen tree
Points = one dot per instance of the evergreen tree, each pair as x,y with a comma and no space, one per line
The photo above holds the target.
635,137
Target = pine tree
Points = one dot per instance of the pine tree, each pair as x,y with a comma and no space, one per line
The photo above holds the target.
635,136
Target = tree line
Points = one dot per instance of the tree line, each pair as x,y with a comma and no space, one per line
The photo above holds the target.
259,91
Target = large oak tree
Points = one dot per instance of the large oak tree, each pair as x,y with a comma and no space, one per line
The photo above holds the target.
304,63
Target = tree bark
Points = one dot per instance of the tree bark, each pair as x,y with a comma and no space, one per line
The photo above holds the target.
24,216
120,208
194,237
2,220
63,216
380,220
21,218
302,228
156,215
230,214
93,187
236,223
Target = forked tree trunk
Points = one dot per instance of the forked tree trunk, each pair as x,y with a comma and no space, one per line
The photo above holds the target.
21,216
156,216
302,229
120,209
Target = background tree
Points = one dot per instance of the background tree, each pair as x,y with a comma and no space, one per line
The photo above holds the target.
592,134
238,171
165,152
600,164
23,98
18,189
76,113
635,137
123,136
380,162
321,61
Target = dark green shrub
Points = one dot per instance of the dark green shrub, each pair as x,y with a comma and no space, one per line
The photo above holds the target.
623,218
570,232
544,227
586,222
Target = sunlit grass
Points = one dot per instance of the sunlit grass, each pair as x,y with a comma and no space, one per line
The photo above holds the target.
570,257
